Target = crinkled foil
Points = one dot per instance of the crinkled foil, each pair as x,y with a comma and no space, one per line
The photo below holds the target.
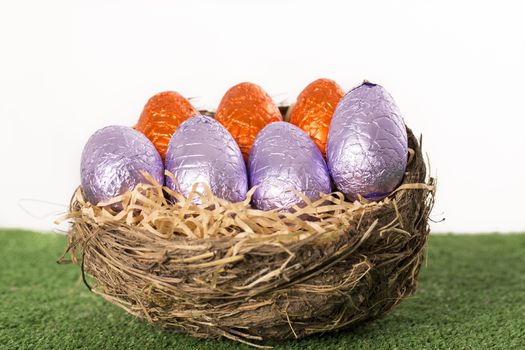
284,159
202,150
314,109
162,115
112,161
244,110
367,143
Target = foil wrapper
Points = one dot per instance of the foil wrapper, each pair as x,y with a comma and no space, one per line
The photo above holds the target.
314,109
203,151
284,159
244,110
162,115
367,143
112,161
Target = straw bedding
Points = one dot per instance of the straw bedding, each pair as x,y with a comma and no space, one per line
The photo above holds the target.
221,269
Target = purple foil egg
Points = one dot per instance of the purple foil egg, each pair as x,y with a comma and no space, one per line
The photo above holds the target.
367,143
202,150
283,159
112,161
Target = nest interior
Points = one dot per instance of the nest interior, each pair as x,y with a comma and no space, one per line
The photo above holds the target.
221,269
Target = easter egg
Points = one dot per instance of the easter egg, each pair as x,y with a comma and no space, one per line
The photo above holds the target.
203,151
367,143
162,115
113,160
284,159
244,110
314,109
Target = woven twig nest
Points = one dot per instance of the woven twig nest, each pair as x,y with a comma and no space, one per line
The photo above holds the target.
223,269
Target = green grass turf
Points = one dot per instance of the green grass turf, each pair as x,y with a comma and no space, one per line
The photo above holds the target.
471,296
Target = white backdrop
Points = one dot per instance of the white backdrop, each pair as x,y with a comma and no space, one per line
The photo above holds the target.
455,68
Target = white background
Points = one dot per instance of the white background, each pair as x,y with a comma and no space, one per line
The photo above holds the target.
455,68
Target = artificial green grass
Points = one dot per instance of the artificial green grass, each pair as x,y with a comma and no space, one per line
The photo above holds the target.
471,296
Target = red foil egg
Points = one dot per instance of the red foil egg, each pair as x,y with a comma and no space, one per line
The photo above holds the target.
244,110
314,109
161,116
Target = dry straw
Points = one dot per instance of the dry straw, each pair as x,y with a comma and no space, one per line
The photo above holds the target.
223,269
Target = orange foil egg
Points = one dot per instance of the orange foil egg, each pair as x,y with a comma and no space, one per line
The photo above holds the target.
244,110
314,109
162,115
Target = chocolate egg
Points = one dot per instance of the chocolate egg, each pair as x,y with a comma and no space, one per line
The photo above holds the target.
244,110
203,151
162,115
284,159
113,160
314,109
367,143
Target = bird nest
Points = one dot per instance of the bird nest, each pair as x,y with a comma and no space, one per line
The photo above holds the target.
220,269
